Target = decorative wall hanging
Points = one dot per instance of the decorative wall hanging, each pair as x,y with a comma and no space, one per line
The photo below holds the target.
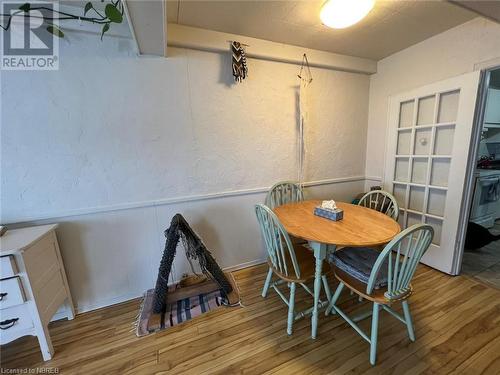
239,61
305,77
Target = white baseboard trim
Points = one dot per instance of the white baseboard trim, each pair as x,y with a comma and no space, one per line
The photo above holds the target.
238,267
168,201
108,302
128,297
59,315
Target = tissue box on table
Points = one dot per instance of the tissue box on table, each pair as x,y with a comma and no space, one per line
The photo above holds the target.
329,210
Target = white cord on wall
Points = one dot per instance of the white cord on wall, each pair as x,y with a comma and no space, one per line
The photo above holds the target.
305,81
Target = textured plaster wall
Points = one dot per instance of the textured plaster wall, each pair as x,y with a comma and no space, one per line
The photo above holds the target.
109,129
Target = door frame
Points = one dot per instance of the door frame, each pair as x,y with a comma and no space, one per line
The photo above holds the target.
468,193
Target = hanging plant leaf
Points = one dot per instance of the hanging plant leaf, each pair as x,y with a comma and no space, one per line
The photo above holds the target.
104,29
53,29
113,13
88,7
26,7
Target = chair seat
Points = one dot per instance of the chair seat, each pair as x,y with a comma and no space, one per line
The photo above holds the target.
358,263
306,262
353,265
359,288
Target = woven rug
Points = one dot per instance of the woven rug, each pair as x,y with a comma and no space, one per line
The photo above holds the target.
187,300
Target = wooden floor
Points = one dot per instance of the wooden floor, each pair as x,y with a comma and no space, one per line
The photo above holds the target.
457,323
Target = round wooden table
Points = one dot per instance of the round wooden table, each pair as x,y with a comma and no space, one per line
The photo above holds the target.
359,227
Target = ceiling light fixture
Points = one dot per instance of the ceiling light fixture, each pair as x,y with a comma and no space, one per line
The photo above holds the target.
339,14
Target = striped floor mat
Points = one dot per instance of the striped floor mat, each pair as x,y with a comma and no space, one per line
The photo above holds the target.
185,303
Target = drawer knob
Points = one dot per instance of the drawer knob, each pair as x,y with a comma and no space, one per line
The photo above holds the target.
6,324
2,295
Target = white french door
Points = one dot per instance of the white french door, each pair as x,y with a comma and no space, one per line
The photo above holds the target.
426,159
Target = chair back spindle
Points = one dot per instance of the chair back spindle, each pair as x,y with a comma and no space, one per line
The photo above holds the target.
401,257
284,192
278,244
381,201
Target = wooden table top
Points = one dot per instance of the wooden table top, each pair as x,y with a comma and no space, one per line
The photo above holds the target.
360,226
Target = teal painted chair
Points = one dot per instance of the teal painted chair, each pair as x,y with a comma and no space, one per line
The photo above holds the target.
383,278
381,201
284,192
292,263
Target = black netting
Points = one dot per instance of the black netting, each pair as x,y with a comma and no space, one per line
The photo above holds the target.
195,250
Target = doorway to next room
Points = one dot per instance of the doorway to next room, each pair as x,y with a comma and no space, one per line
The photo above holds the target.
481,257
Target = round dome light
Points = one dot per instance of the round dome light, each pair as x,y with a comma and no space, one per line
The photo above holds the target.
339,14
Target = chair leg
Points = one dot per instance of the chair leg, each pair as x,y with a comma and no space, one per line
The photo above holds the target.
374,334
291,312
267,283
409,323
327,288
334,299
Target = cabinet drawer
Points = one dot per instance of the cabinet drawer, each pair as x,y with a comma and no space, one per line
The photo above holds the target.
11,292
13,320
8,267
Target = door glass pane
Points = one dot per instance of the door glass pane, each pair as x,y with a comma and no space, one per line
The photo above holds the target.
416,198
437,200
443,143
425,114
419,171
406,114
448,106
422,141
437,225
440,172
399,192
413,219
404,140
401,173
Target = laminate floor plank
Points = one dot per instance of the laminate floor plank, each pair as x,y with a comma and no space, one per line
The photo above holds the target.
457,325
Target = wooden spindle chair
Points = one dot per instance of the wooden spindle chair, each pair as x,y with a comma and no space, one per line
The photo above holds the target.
381,201
284,192
388,282
292,264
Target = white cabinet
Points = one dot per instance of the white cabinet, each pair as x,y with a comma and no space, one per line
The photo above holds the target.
11,292
492,111
33,285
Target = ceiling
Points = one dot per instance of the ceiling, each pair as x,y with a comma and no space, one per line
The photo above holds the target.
489,9
390,27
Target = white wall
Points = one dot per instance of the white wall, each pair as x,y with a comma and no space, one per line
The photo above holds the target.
448,54
114,129
112,146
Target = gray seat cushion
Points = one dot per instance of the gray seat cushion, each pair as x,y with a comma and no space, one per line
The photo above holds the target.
358,263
